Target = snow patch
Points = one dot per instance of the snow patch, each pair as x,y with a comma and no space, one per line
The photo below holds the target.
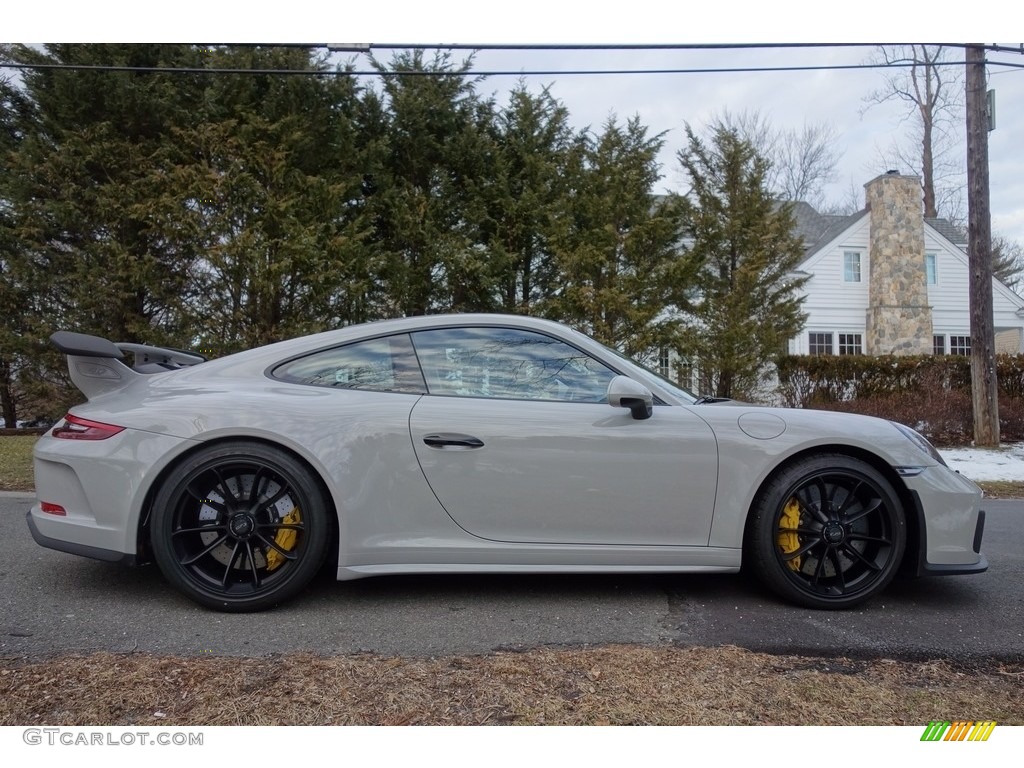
1006,463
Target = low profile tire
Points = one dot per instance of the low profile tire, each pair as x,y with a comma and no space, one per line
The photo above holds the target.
827,532
240,526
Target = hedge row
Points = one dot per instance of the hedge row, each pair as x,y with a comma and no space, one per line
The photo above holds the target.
807,380
930,393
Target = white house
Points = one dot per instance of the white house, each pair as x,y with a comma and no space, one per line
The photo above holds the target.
886,280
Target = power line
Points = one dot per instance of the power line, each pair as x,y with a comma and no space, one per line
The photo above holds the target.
366,47
475,73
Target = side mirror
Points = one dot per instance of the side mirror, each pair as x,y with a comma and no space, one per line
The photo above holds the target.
623,392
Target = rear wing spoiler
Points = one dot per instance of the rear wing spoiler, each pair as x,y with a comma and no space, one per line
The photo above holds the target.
97,365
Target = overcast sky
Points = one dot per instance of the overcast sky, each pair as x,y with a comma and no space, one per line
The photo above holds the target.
664,102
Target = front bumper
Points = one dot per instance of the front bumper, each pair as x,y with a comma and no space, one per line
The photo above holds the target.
950,524
951,569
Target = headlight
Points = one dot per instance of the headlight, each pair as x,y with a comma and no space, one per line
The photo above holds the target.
920,441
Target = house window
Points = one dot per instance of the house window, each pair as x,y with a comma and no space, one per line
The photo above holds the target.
850,344
938,345
686,374
820,343
851,266
930,269
663,362
960,345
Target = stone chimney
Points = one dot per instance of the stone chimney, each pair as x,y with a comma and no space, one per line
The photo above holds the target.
899,319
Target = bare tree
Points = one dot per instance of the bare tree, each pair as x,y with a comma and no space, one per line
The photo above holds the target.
922,76
848,202
1007,261
802,160
805,162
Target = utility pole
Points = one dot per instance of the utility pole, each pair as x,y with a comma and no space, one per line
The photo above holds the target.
984,390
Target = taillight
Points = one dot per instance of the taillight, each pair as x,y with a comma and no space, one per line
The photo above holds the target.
52,509
75,428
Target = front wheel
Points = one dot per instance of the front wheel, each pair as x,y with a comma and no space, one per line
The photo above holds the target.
827,532
240,527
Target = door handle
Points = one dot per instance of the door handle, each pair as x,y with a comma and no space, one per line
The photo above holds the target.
452,440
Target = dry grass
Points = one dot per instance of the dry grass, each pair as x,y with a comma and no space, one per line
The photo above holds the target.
1002,489
16,462
611,685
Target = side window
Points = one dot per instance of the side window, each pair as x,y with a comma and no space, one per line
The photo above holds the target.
380,365
508,363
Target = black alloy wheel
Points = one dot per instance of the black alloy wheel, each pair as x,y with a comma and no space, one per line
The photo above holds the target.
827,532
240,527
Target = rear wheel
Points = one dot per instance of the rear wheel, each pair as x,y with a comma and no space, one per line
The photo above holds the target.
240,526
827,532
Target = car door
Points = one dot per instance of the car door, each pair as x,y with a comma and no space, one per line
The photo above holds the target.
518,443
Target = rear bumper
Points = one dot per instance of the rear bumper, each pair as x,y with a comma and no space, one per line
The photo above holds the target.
101,486
73,548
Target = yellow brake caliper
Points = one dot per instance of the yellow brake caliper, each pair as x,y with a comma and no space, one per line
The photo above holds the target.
789,541
285,539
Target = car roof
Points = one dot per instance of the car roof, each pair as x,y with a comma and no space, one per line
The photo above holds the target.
258,358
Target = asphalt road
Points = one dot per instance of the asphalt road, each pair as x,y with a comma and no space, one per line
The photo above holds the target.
55,603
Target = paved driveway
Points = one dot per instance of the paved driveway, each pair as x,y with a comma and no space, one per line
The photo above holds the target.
54,602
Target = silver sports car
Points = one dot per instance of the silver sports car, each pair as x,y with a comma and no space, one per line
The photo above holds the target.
476,444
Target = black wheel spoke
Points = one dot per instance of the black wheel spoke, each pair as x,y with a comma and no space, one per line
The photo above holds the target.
870,507
200,529
834,557
252,566
872,539
283,491
273,544
225,489
254,492
819,569
207,550
204,498
808,508
819,483
850,498
806,548
852,552
231,564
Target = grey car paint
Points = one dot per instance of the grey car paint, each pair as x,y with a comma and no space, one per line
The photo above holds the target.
555,487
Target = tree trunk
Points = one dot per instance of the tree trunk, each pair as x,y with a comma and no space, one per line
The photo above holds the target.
10,411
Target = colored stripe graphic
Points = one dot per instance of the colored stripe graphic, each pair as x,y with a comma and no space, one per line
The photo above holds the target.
982,731
959,730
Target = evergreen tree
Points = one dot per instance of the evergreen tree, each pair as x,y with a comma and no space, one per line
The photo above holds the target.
521,194
14,298
432,138
90,182
273,186
616,244
91,240
742,246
